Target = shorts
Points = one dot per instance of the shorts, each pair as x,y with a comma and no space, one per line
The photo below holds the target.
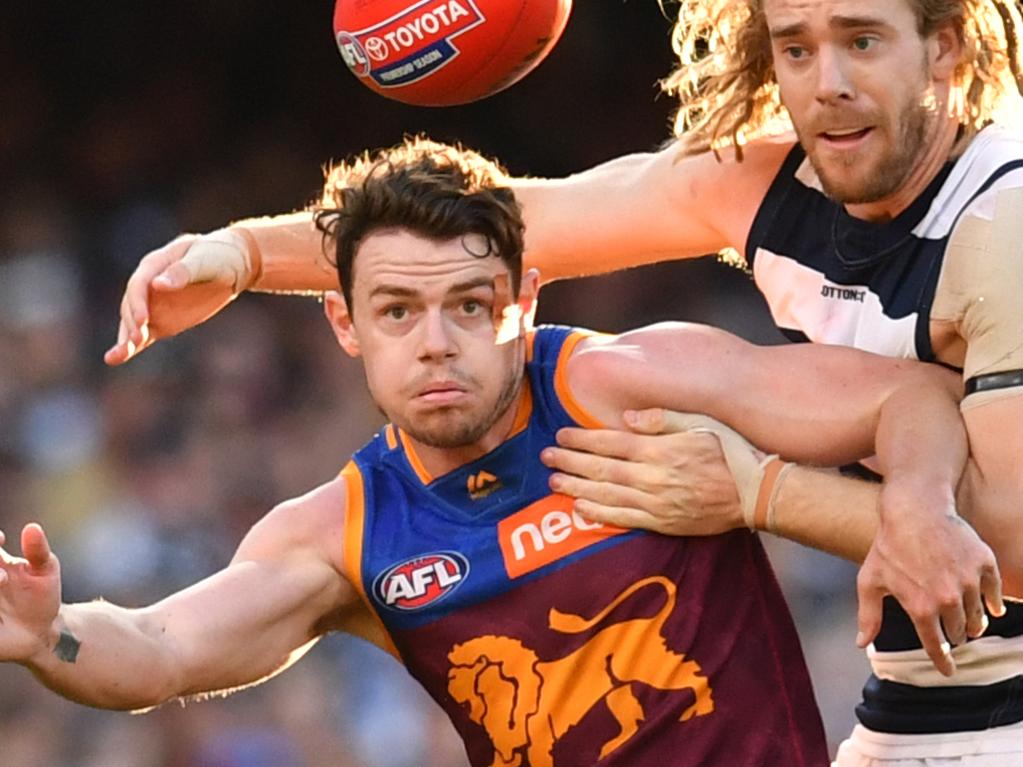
994,747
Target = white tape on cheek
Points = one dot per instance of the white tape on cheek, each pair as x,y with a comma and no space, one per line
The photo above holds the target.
507,313
509,325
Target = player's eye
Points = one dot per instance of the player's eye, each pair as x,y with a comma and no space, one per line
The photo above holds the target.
471,306
795,52
864,43
396,312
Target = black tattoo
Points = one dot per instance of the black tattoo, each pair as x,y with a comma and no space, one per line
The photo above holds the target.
67,647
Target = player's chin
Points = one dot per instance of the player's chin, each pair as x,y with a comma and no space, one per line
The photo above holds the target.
447,427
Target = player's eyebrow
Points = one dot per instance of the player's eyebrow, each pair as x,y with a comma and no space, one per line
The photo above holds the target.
835,22
392,290
476,282
400,291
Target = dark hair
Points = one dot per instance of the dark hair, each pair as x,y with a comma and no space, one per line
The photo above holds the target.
434,190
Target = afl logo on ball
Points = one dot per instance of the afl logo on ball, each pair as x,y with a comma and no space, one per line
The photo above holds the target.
410,45
420,582
353,53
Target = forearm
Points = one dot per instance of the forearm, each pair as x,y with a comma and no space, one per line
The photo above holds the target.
290,252
922,450
106,656
826,511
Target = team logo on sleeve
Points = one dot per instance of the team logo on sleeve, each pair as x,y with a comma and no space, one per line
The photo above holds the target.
420,582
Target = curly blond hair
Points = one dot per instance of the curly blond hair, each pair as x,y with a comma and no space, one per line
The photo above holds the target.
729,94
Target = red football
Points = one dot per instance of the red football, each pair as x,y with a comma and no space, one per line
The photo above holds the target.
445,52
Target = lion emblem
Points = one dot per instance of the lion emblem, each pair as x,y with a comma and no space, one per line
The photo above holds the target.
525,704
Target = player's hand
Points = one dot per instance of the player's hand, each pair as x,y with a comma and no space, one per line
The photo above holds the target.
659,476
180,285
935,565
29,596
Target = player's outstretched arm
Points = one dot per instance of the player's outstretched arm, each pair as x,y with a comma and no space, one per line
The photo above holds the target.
281,591
185,282
634,210
644,208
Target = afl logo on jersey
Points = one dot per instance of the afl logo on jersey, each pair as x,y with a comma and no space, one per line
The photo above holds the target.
420,582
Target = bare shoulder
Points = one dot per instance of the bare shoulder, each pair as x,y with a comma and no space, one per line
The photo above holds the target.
312,524
608,373
974,317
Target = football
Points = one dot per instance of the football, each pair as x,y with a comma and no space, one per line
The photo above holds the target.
445,52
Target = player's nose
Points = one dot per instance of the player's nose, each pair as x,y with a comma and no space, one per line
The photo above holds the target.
833,81
436,339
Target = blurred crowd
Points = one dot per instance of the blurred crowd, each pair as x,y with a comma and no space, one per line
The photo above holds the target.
123,125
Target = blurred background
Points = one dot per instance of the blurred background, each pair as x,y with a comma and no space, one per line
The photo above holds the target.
123,124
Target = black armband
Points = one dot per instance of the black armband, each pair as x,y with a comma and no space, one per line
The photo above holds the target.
992,381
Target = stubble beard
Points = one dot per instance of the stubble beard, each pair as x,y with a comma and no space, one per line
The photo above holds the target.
461,430
891,170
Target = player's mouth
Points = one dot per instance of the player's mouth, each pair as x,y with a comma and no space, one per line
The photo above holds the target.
844,138
442,393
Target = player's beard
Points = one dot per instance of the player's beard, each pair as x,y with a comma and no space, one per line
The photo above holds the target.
890,170
453,427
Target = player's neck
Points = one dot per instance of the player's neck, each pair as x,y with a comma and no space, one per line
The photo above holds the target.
941,141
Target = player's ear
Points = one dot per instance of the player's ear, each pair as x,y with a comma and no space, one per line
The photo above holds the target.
336,309
945,51
528,294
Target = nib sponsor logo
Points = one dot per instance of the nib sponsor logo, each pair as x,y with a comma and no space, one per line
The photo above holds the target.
423,581
545,532
411,45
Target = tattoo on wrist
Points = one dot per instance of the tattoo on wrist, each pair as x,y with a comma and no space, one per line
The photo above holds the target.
67,647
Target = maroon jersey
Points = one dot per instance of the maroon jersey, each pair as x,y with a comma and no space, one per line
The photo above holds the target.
551,641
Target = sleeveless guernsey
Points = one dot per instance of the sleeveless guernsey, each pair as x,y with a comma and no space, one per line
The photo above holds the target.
551,641
831,278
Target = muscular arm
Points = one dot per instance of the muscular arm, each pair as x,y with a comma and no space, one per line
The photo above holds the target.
644,208
978,299
634,210
281,591
812,404
993,483
828,405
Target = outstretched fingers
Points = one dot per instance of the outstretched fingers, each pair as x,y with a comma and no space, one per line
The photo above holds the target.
36,549
935,645
133,326
870,597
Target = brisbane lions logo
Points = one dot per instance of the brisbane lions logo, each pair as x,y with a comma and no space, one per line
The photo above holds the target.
525,704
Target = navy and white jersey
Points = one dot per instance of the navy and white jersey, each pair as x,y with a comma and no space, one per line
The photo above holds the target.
831,278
